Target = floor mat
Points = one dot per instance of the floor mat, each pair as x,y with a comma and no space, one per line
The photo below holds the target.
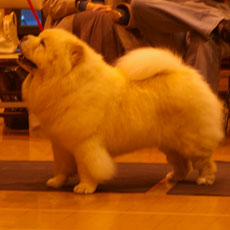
221,187
32,176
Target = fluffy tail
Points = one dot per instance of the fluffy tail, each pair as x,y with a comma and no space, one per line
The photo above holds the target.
144,63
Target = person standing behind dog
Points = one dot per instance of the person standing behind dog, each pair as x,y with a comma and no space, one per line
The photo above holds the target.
96,22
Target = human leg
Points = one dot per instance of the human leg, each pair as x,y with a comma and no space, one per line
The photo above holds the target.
163,24
177,16
158,28
99,31
205,56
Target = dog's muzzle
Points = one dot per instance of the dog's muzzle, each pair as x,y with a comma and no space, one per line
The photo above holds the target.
26,63
23,61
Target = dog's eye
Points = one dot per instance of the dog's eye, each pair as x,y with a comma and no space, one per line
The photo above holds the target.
42,43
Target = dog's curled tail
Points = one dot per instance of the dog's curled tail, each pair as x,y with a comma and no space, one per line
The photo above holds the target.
147,62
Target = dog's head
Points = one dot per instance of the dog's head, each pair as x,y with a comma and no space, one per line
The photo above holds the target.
54,49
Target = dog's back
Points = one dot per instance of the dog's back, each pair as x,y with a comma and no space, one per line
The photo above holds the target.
144,63
164,102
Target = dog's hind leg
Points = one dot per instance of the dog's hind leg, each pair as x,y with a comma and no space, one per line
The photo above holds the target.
181,166
94,165
207,168
64,166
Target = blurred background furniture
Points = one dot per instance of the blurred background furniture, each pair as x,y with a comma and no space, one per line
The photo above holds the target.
12,109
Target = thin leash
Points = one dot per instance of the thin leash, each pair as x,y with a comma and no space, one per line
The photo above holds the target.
35,15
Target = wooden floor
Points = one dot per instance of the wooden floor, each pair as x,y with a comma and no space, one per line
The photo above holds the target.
59,210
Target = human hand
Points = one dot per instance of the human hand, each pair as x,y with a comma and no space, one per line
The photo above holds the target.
115,14
98,7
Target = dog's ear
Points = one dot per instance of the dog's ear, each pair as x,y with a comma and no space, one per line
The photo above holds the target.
76,54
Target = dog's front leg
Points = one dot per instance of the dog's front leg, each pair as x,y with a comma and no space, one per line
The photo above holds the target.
87,184
94,165
64,166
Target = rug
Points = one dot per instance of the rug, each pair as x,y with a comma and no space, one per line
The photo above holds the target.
130,178
221,187
32,176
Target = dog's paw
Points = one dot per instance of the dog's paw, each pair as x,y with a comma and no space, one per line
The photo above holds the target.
208,180
57,181
84,188
172,177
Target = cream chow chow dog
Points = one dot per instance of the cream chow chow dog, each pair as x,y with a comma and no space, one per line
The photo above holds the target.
92,111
